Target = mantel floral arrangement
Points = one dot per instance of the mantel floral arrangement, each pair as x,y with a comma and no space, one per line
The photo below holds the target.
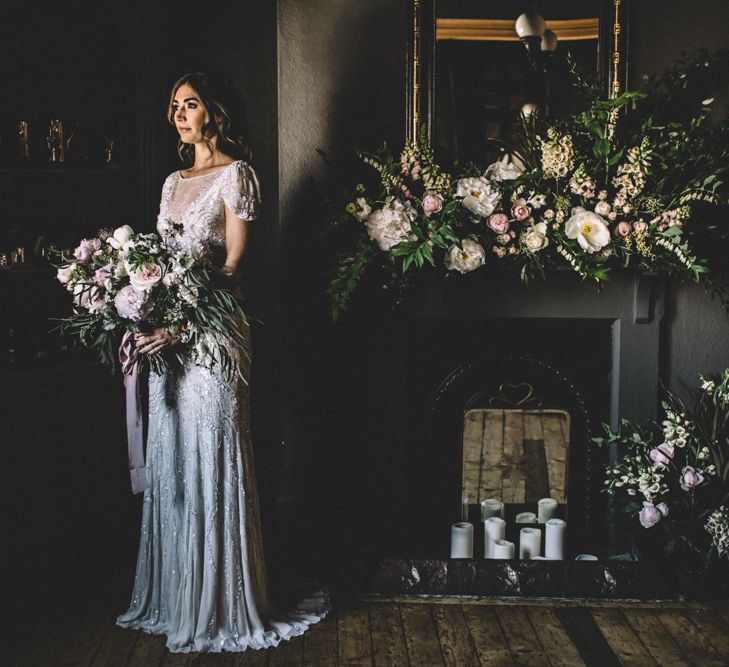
674,480
624,184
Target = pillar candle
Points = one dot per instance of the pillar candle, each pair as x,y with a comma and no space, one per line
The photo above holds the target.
585,557
503,549
530,543
547,508
462,540
526,517
494,529
554,539
491,507
464,506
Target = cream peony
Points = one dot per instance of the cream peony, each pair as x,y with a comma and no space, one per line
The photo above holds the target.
467,258
503,170
120,237
479,195
535,238
389,225
588,228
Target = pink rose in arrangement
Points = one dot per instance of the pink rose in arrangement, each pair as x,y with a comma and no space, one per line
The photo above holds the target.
622,229
691,478
86,249
661,455
651,514
498,222
133,304
101,274
145,276
520,210
432,203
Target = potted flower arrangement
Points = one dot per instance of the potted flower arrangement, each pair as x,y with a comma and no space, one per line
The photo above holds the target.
624,184
673,483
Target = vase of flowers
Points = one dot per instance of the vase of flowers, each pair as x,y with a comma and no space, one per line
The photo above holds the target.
672,481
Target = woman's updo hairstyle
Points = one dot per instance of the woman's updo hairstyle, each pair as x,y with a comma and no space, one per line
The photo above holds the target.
225,116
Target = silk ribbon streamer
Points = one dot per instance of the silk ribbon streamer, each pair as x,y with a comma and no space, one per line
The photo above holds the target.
135,422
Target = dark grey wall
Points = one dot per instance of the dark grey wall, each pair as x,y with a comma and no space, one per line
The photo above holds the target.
696,328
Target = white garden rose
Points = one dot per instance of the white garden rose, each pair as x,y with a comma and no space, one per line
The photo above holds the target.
121,237
480,196
65,273
389,225
467,258
503,170
535,238
588,228
603,208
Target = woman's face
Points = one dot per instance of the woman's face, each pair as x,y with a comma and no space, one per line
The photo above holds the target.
189,114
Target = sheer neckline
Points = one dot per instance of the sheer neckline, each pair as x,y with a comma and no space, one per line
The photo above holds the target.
210,173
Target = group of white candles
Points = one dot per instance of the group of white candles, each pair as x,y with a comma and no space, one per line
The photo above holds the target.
530,539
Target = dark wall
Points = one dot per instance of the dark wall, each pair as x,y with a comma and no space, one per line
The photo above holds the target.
696,328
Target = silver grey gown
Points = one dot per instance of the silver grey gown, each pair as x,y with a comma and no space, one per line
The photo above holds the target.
201,577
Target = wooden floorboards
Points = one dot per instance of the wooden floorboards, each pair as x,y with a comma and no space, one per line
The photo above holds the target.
420,633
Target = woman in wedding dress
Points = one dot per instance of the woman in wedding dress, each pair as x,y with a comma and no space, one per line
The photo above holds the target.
200,576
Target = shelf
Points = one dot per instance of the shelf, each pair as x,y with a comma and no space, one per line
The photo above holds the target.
80,171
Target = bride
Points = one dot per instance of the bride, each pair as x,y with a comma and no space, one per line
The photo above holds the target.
200,576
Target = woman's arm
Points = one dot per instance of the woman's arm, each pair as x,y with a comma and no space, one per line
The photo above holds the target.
236,240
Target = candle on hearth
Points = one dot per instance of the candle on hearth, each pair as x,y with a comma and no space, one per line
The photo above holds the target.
546,508
526,517
462,540
504,549
464,506
554,539
494,529
530,543
491,507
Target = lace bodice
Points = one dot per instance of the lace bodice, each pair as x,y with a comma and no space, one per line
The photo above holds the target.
197,203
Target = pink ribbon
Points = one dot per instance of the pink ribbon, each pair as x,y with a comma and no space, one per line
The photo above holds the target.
135,422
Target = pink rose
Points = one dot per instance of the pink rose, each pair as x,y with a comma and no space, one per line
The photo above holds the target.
691,478
612,216
622,229
432,203
86,249
498,222
640,226
145,276
100,275
520,210
661,455
651,514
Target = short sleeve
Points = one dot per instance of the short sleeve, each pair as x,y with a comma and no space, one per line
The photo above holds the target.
241,191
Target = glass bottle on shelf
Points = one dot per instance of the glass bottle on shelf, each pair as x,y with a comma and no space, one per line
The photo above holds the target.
56,142
23,143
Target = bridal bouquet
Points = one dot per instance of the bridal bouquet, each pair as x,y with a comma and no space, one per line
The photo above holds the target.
634,182
125,282
675,481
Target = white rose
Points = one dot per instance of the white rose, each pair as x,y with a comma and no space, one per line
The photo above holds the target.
82,294
588,228
388,226
535,238
65,273
467,258
503,170
603,208
479,195
120,237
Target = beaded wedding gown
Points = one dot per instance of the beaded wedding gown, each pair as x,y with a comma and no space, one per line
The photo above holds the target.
201,577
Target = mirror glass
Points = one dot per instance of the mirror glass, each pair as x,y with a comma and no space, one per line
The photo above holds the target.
484,74
515,456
